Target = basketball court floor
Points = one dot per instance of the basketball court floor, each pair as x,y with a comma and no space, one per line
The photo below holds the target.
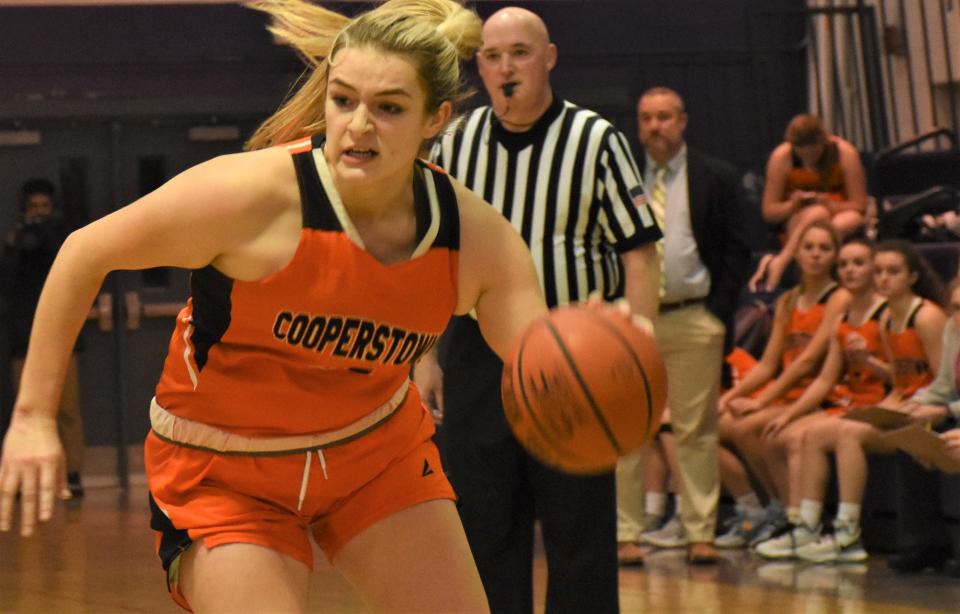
97,556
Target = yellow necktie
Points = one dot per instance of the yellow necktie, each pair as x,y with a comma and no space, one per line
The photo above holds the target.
658,199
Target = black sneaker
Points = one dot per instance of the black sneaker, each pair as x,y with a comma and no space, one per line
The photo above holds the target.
74,485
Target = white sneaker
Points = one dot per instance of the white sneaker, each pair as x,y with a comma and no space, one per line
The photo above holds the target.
671,535
785,545
741,529
844,546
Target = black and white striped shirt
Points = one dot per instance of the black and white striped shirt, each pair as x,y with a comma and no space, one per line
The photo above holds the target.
570,187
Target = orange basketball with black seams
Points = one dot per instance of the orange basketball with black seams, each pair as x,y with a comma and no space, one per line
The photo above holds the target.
584,387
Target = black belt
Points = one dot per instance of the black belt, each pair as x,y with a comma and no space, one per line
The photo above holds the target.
687,302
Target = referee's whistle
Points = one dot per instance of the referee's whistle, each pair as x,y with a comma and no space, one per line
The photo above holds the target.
508,89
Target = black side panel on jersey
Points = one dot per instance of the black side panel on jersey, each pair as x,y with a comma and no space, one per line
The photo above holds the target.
421,202
878,313
448,235
314,204
912,320
210,292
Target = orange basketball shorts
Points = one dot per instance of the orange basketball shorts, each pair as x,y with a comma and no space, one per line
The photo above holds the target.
277,501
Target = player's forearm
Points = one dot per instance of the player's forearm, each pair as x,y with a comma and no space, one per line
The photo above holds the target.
777,212
69,291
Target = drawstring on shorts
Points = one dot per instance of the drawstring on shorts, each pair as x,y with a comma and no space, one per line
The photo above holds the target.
306,473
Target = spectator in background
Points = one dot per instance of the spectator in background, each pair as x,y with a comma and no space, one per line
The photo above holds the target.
813,175
704,254
29,251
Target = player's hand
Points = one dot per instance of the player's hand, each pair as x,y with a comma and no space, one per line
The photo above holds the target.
32,464
952,437
621,307
821,198
856,351
924,413
757,281
742,406
723,405
640,321
799,199
776,426
428,376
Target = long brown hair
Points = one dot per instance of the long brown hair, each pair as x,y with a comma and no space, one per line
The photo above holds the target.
928,284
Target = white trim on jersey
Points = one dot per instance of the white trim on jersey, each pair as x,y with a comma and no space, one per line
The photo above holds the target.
188,349
434,228
323,171
338,207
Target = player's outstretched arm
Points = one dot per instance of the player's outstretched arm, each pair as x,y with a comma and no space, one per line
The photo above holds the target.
217,212
497,276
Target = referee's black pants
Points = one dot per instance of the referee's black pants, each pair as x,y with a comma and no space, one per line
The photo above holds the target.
503,489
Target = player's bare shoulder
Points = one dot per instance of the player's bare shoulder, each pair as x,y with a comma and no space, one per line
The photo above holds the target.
931,315
781,156
489,246
260,182
481,226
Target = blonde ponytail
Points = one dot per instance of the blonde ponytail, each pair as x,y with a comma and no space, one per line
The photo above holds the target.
310,30
433,35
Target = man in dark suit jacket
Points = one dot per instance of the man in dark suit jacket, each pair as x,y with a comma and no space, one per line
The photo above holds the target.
704,264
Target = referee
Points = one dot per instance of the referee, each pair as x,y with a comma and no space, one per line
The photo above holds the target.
566,180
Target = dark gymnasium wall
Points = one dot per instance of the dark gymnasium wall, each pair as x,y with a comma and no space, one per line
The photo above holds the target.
738,63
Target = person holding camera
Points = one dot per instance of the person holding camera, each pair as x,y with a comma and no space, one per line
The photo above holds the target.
28,253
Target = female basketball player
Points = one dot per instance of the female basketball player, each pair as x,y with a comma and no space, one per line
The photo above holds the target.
804,320
322,270
912,332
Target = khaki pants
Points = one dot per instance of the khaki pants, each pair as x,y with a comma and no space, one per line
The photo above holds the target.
691,342
69,422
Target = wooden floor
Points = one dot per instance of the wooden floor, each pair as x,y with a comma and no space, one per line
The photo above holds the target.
97,556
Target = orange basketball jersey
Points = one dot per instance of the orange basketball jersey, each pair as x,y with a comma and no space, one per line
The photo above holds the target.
800,330
859,384
911,368
329,338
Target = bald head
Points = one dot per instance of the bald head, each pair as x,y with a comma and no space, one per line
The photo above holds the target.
515,60
516,18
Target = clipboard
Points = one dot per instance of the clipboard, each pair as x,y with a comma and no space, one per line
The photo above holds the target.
881,417
925,446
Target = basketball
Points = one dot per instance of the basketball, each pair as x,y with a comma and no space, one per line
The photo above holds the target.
584,387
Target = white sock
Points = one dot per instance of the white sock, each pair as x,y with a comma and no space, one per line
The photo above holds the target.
677,506
793,515
655,503
750,503
849,513
810,512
